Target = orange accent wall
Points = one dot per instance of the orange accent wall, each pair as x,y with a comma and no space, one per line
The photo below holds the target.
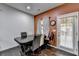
53,13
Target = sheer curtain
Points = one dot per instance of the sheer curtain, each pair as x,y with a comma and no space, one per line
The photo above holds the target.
46,25
43,28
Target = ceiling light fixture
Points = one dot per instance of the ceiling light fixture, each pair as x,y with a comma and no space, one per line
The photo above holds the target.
28,7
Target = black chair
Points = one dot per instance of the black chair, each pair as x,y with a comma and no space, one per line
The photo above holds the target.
35,46
51,36
25,48
23,35
46,42
36,42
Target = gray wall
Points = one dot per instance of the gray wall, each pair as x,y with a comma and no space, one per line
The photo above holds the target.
12,22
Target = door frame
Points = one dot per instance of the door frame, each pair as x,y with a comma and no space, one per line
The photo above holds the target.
76,32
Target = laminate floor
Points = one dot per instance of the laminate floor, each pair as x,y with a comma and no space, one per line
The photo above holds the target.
45,52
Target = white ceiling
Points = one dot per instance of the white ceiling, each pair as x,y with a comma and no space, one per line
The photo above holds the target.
34,7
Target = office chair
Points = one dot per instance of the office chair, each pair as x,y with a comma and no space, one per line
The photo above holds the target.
23,35
46,41
51,35
25,48
35,46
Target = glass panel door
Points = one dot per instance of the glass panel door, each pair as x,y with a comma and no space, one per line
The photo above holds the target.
66,32
67,36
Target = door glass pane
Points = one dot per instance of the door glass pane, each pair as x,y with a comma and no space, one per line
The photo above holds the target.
69,33
62,32
66,32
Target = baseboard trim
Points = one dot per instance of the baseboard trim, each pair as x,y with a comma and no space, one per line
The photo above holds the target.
60,49
51,46
9,48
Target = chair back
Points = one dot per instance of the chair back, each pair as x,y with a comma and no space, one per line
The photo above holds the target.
23,34
36,42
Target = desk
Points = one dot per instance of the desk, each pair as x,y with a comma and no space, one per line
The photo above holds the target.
29,41
24,40
24,43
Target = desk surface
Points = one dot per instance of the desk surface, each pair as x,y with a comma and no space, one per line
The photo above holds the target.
25,40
